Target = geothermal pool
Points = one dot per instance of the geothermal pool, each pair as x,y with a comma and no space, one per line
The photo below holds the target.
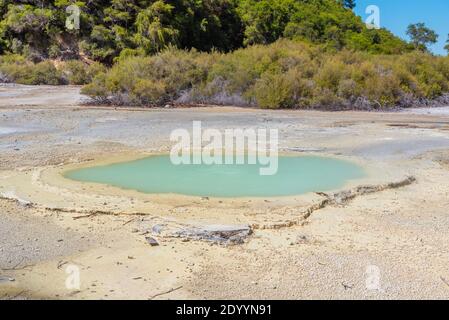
157,175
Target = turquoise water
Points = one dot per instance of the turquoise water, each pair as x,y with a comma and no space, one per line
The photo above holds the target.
156,174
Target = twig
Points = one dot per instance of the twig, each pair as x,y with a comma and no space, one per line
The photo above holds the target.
62,263
13,268
21,268
347,286
166,292
101,213
128,222
85,216
16,267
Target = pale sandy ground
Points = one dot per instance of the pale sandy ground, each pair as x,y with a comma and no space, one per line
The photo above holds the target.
401,232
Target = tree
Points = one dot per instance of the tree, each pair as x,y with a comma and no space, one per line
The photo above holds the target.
350,4
154,31
421,36
447,44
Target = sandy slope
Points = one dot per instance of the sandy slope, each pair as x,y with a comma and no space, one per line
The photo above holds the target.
400,233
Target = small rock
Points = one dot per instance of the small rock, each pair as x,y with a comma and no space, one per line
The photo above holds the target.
152,242
4,279
24,203
347,286
224,234
157,229
302,239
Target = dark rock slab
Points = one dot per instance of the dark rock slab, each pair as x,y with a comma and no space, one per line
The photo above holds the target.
219,234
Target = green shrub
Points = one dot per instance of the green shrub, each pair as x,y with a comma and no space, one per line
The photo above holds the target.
150,80
347,89
148,92
274,91
285,74
45,73
16,68
80,73
97,89
382,90
331,73
21,71
326,98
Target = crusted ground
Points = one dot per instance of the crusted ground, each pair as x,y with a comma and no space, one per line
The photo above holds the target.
382,238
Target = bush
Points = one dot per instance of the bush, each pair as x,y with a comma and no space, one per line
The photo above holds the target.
79,73
44,73
18,70
148,92
97,89
274,91
150,80
331,74
285,74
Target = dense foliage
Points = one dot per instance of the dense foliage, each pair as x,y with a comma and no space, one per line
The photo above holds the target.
421,36
15,68
285,74
266,53
108,29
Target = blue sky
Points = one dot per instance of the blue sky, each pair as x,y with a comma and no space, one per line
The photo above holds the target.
396,15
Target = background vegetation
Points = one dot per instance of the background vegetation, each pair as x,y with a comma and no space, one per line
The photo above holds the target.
16,68
267,53
285,74
108,29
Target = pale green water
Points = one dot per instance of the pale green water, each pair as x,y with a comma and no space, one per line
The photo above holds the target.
295,176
